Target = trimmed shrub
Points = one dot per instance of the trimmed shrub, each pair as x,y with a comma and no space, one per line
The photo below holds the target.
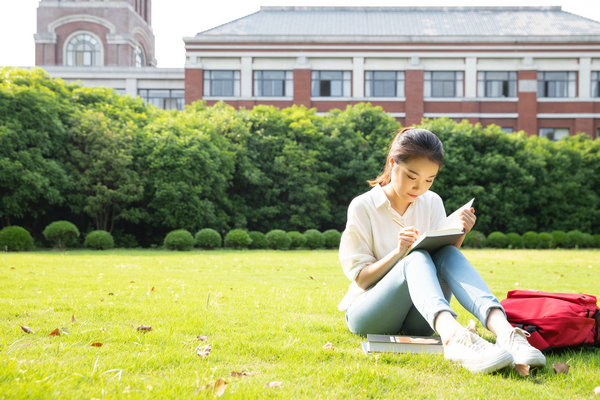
515,241
99,240
474,239
258,240
497,240
278,239
61,233
179,239
587,240
208,238
546,241
237,238
574,239
314,239
531,240
559,238
596,238
332,238
297,239
15,238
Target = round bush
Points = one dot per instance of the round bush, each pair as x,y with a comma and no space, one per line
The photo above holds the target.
332,238
297,239
208,238
15,238
515,241
559,238
99,240
596,240
546,241
531,240
574,239
474,239
278,239
587,240
179,239
314,239
237,238
258,240
497,240
62,233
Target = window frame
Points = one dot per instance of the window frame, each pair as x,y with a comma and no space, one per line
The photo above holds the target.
487,84
398,83
430,83
319,84
209,83
544,85
595,86
550,132
71,50
169,102
287,83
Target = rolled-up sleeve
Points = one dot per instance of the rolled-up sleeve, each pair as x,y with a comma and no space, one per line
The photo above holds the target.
356,245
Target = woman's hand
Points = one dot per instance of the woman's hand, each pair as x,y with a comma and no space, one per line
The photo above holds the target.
406,237
467,219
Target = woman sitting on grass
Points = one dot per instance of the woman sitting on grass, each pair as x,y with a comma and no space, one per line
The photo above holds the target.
390,294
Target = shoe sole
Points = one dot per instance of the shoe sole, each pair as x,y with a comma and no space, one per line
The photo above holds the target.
489,366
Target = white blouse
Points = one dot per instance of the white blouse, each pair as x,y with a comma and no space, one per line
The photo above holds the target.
371,233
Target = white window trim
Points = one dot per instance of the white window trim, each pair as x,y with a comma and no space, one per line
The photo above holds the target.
70,37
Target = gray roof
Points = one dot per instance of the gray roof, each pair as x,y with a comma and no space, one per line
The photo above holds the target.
405,23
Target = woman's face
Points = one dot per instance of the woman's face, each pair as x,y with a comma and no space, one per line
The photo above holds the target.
412,178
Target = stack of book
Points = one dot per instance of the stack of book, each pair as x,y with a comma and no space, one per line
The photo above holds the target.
402,344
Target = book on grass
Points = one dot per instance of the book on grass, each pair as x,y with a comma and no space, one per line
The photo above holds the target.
448,232
402,344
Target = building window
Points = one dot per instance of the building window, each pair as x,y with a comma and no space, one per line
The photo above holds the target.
507,130
554,133
330,84
166,99
222,83
497,84
384,83
83,50
273,83
140,59
443,83
556,84
596,84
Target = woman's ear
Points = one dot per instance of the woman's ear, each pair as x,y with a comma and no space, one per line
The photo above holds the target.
392,162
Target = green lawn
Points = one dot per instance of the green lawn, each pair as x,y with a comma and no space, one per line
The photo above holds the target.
266,313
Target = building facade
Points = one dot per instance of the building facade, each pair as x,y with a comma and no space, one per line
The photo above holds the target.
535,69
106,43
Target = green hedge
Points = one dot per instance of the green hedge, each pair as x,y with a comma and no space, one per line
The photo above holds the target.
15,238
237,239
179,239
61,233
99,240
208,238
258,240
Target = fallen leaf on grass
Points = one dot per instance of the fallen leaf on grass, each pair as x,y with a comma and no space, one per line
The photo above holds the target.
561,368
55,332
203,351
152,290
328,346
73,317
202,338
522,369
144,328
12,267
97,344
597,391
218,387
310,276
111,294
131,281
26,329
239,374
273,384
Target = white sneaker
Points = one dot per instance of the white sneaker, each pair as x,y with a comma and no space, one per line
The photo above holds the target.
476,354
515,342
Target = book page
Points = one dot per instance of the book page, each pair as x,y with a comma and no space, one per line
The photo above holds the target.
452,221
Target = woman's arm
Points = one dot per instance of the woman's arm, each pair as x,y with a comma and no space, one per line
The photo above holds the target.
372,273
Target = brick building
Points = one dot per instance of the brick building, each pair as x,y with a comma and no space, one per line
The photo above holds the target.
105,43
535,69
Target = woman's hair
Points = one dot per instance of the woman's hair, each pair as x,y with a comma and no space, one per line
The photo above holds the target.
409,143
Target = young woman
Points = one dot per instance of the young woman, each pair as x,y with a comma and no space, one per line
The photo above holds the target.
392,294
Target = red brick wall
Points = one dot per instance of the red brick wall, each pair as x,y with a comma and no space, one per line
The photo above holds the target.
64,31
193,84
414,96
302,87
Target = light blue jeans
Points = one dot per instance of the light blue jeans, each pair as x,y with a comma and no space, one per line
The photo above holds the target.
409,297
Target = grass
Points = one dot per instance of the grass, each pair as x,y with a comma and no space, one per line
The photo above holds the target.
267,313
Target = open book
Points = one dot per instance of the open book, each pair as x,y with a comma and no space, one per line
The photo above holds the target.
448,232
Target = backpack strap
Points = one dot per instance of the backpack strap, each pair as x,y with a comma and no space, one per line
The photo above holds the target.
596,336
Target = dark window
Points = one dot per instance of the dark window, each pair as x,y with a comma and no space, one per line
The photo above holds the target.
384,84
556,84
554,133
497,84
330,84
596,84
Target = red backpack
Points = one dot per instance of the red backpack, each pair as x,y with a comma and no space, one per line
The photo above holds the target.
554,320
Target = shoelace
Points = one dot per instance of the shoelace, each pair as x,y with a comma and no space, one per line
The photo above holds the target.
472,341
519,336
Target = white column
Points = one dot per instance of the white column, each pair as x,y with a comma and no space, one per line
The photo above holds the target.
131,87
585,77
246,77
471,77
358,77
